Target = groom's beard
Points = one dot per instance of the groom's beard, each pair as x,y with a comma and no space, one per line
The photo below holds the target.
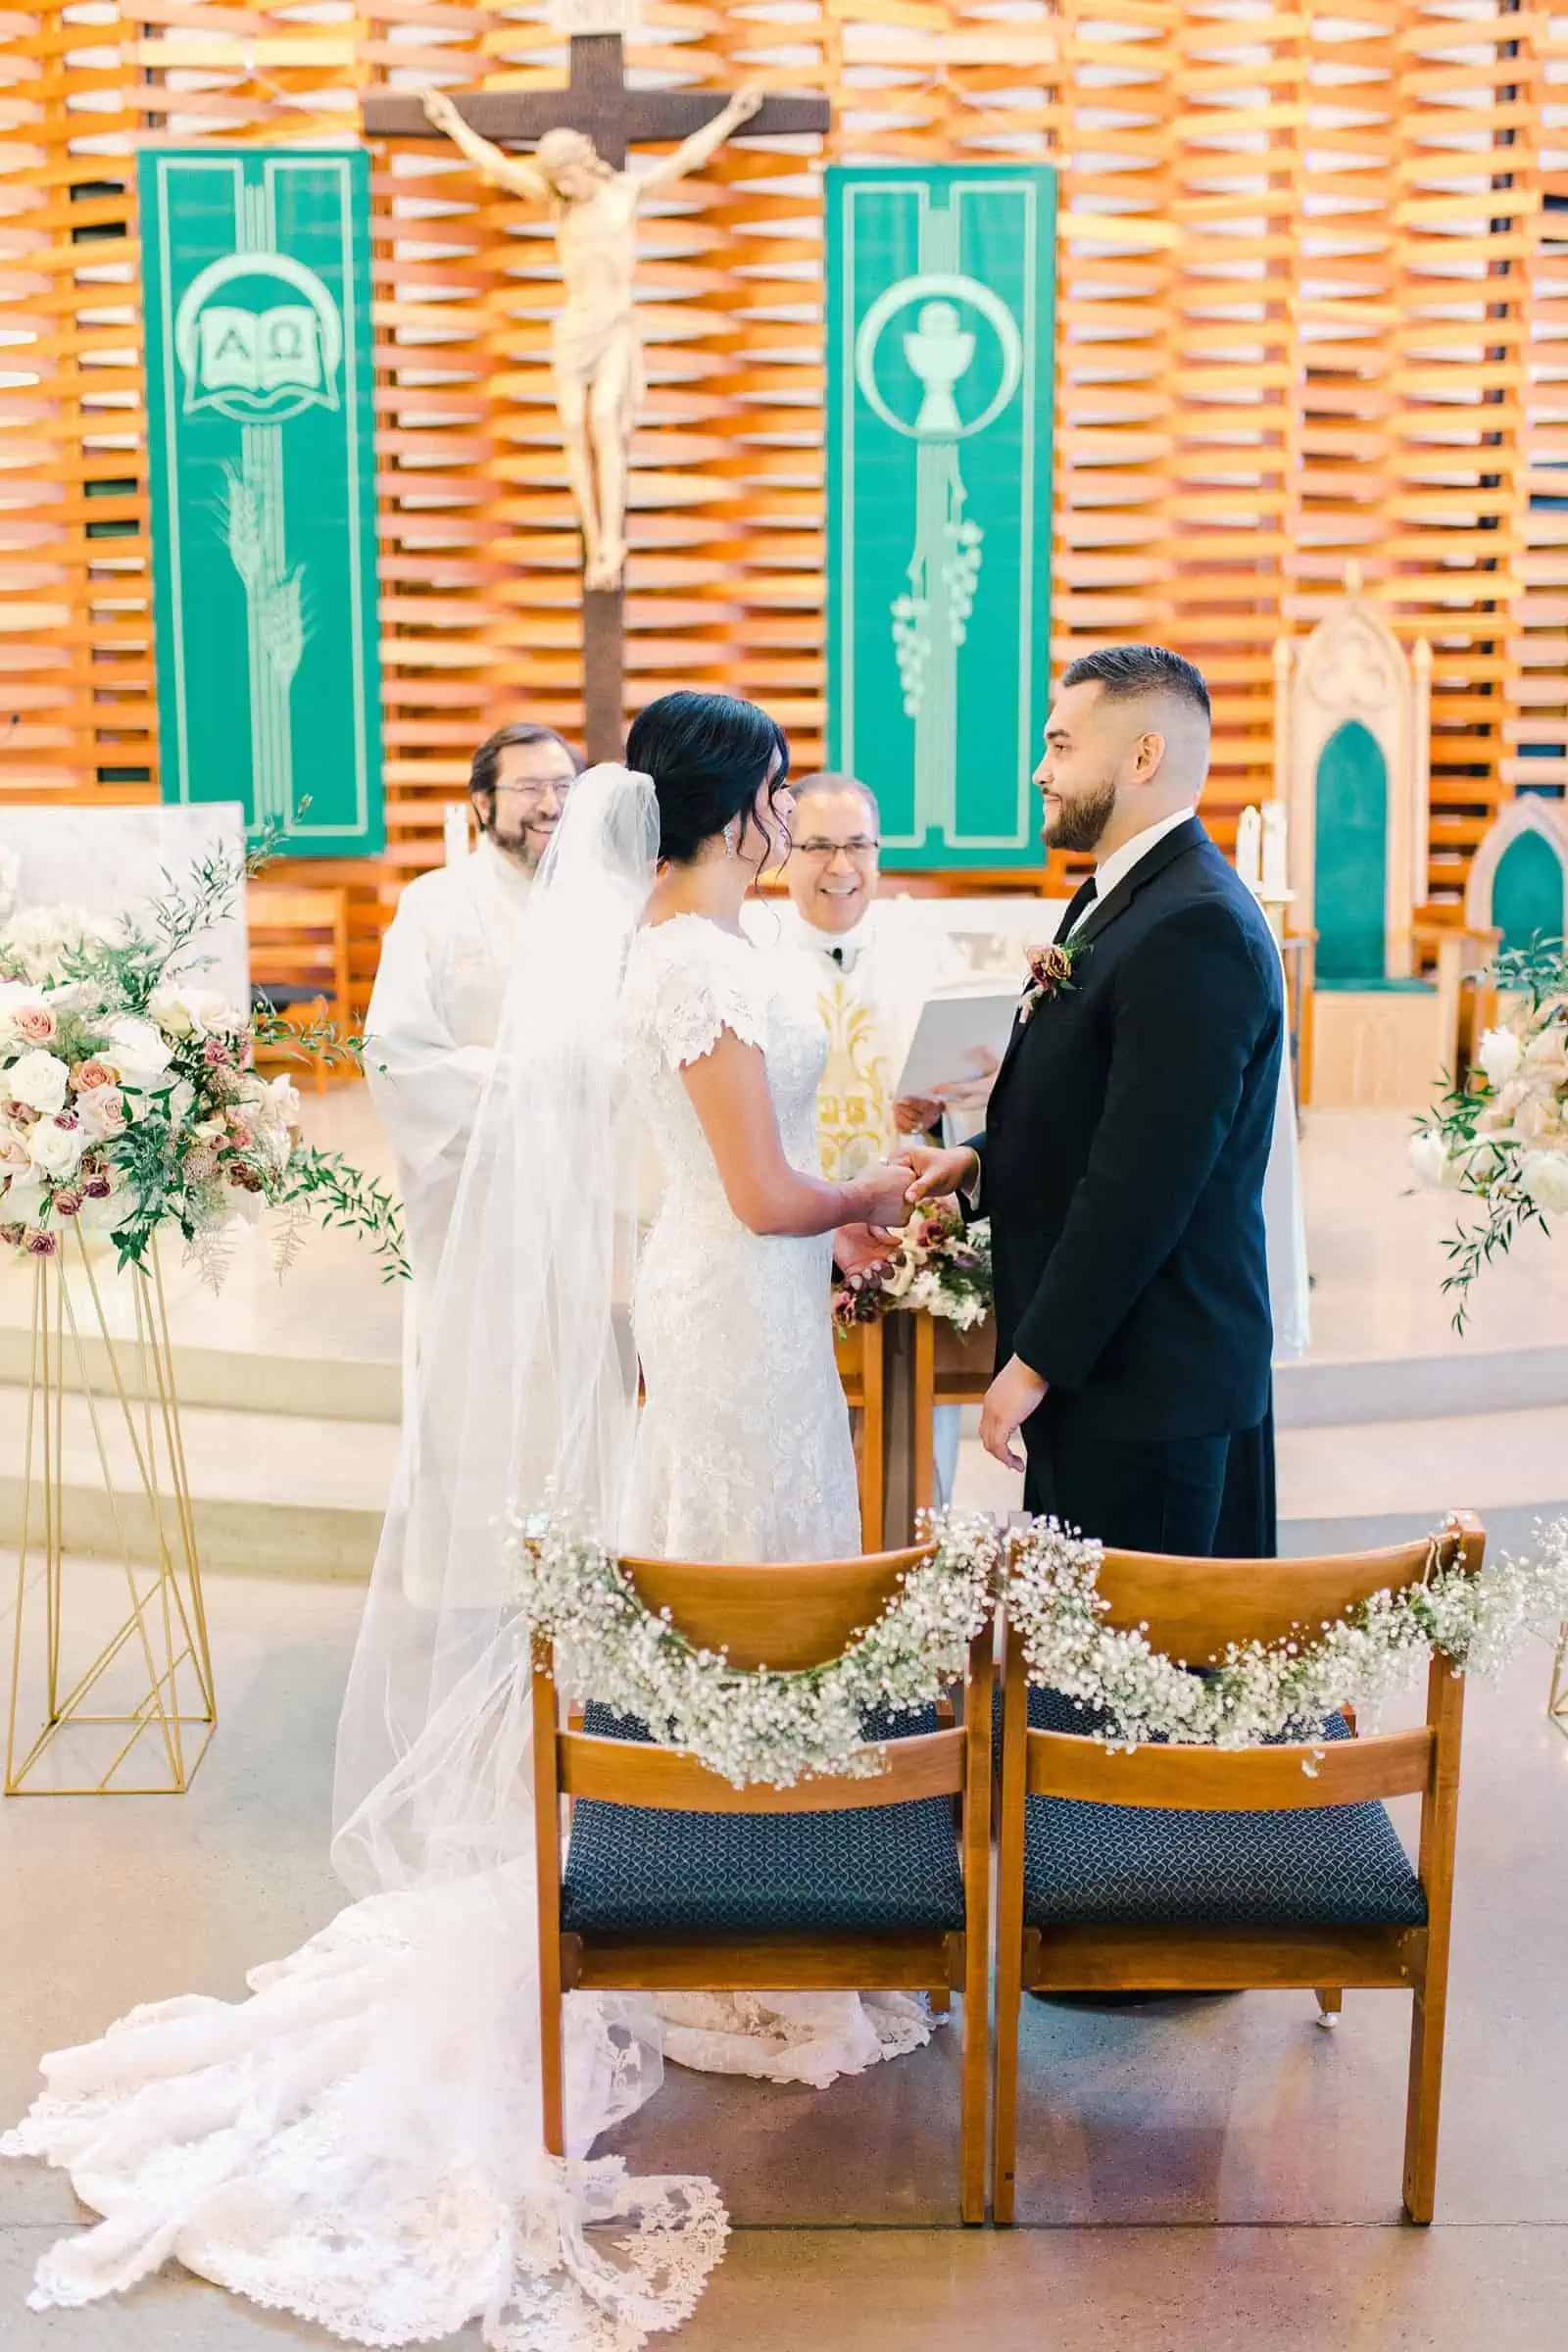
1081,822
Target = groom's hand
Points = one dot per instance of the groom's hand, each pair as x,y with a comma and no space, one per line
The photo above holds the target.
936,1174
1009,1401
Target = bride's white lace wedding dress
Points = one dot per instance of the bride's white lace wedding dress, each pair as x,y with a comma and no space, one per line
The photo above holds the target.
359,2143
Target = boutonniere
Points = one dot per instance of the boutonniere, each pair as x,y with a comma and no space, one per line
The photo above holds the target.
1050,971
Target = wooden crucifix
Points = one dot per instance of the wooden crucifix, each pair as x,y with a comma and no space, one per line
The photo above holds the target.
579,136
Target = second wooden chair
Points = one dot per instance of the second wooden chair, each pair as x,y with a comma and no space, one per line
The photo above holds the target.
1202,1869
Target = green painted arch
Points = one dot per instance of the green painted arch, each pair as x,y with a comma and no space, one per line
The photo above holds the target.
1350,858
1526,889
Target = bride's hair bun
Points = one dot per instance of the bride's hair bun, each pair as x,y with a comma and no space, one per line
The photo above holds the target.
709,756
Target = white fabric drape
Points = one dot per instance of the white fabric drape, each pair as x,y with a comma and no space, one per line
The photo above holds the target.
430,1034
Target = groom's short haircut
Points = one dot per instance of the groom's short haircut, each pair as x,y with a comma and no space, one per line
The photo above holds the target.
829,779
1123,672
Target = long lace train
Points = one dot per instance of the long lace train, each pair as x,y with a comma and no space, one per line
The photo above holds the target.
358,2143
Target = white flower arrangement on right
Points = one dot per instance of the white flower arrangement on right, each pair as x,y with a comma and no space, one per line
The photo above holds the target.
1502,1139
1259,1692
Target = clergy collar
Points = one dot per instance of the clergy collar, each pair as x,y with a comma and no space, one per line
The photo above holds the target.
838,947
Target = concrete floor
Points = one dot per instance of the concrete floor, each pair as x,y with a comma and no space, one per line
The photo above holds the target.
1200,2176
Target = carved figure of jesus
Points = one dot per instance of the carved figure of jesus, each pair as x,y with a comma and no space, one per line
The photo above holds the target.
596,346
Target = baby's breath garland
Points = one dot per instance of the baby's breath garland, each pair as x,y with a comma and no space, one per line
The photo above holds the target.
1269,1690
755,1725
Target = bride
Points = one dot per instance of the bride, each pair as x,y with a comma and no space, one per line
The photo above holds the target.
359,2142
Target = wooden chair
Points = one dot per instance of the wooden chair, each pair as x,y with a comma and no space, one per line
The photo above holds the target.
299,943
675,1879
1202,1869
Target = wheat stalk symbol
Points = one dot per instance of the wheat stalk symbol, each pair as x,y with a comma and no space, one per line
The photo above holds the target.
274,608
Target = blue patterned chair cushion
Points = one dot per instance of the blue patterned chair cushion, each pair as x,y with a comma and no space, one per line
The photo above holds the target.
632,1870
1125,1866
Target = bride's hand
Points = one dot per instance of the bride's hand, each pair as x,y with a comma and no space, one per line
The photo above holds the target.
881,1195
861,1253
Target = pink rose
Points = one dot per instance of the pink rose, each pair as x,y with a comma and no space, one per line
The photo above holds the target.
103,1111
34,1022
42,1245
90,1074
97,1187
217,1054
67,1118
67,1204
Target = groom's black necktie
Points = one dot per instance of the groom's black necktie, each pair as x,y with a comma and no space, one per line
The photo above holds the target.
1079,904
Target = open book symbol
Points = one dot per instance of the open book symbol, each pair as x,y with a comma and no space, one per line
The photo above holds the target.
260,351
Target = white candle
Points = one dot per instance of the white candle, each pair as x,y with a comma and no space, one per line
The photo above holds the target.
1276,860
455,829
1250,847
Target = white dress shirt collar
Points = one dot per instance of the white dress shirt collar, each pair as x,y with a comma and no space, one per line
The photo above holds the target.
1119,864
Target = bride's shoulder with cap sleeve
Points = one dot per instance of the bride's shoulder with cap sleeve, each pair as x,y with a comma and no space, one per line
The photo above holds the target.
688,981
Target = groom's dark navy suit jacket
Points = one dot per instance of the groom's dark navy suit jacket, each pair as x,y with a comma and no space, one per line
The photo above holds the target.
1123,1159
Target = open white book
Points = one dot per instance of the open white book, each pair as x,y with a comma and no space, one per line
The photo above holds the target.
958,1043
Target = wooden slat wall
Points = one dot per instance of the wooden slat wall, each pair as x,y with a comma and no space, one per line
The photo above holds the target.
1320,324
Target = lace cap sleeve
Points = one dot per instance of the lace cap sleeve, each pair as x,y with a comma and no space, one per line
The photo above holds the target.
688,982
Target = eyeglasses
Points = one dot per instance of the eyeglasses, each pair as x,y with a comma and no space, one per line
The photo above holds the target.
861,844
530,793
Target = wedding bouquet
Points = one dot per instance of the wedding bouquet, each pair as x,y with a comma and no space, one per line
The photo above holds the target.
936,1267
1502,1139
128,1097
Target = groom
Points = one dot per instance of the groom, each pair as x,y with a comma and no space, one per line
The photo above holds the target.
1127,1136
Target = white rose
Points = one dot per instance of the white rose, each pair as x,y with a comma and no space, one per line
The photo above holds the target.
1535,1117
212,1014
168,1009
1547,1055
193,1012
1432,1161
1499,1055
284,1102
39,1079
1544,1177
136,1049
55,1151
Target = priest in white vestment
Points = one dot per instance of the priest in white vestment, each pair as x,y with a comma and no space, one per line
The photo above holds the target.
431,1031
875,963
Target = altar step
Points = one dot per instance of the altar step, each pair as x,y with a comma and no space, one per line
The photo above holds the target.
290,1457
272,1493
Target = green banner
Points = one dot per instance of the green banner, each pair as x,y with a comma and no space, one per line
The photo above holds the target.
941,337
257,269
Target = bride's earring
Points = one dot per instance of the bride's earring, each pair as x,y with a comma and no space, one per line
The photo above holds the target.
729,842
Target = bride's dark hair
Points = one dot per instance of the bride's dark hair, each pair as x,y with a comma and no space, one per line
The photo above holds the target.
709,756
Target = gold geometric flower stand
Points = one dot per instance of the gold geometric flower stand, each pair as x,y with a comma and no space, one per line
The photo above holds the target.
1557,1703
111,1668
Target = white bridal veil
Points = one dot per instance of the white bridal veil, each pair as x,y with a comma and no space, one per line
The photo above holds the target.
361,2142
525,1389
